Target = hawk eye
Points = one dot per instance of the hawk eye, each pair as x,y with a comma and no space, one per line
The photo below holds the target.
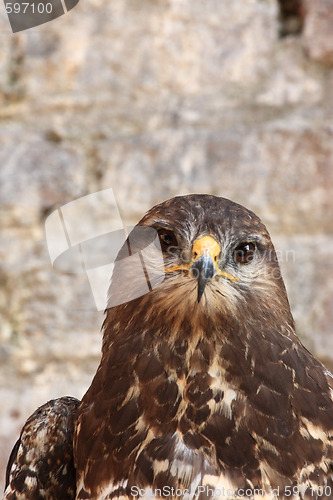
167,239
244,253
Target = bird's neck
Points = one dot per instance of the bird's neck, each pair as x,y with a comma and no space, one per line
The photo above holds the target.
145,326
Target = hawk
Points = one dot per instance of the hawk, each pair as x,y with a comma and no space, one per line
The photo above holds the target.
203,389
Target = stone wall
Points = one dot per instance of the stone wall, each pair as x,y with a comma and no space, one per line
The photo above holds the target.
154,99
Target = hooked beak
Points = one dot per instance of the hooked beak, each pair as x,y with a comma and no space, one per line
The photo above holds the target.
204,265
203,270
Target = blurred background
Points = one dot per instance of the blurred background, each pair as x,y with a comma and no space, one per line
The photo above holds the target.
156,98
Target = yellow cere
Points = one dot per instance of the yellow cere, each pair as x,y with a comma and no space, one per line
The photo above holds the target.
203,245
206,244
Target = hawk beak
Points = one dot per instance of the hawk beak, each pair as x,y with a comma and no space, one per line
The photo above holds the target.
204,265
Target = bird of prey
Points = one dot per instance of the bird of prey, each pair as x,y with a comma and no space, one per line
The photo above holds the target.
203,389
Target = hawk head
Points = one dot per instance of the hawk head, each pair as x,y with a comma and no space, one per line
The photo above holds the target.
205,259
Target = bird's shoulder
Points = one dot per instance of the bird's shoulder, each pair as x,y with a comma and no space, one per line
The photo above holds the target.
41,462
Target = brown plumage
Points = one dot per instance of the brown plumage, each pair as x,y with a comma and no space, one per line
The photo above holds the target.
203,385
41,463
